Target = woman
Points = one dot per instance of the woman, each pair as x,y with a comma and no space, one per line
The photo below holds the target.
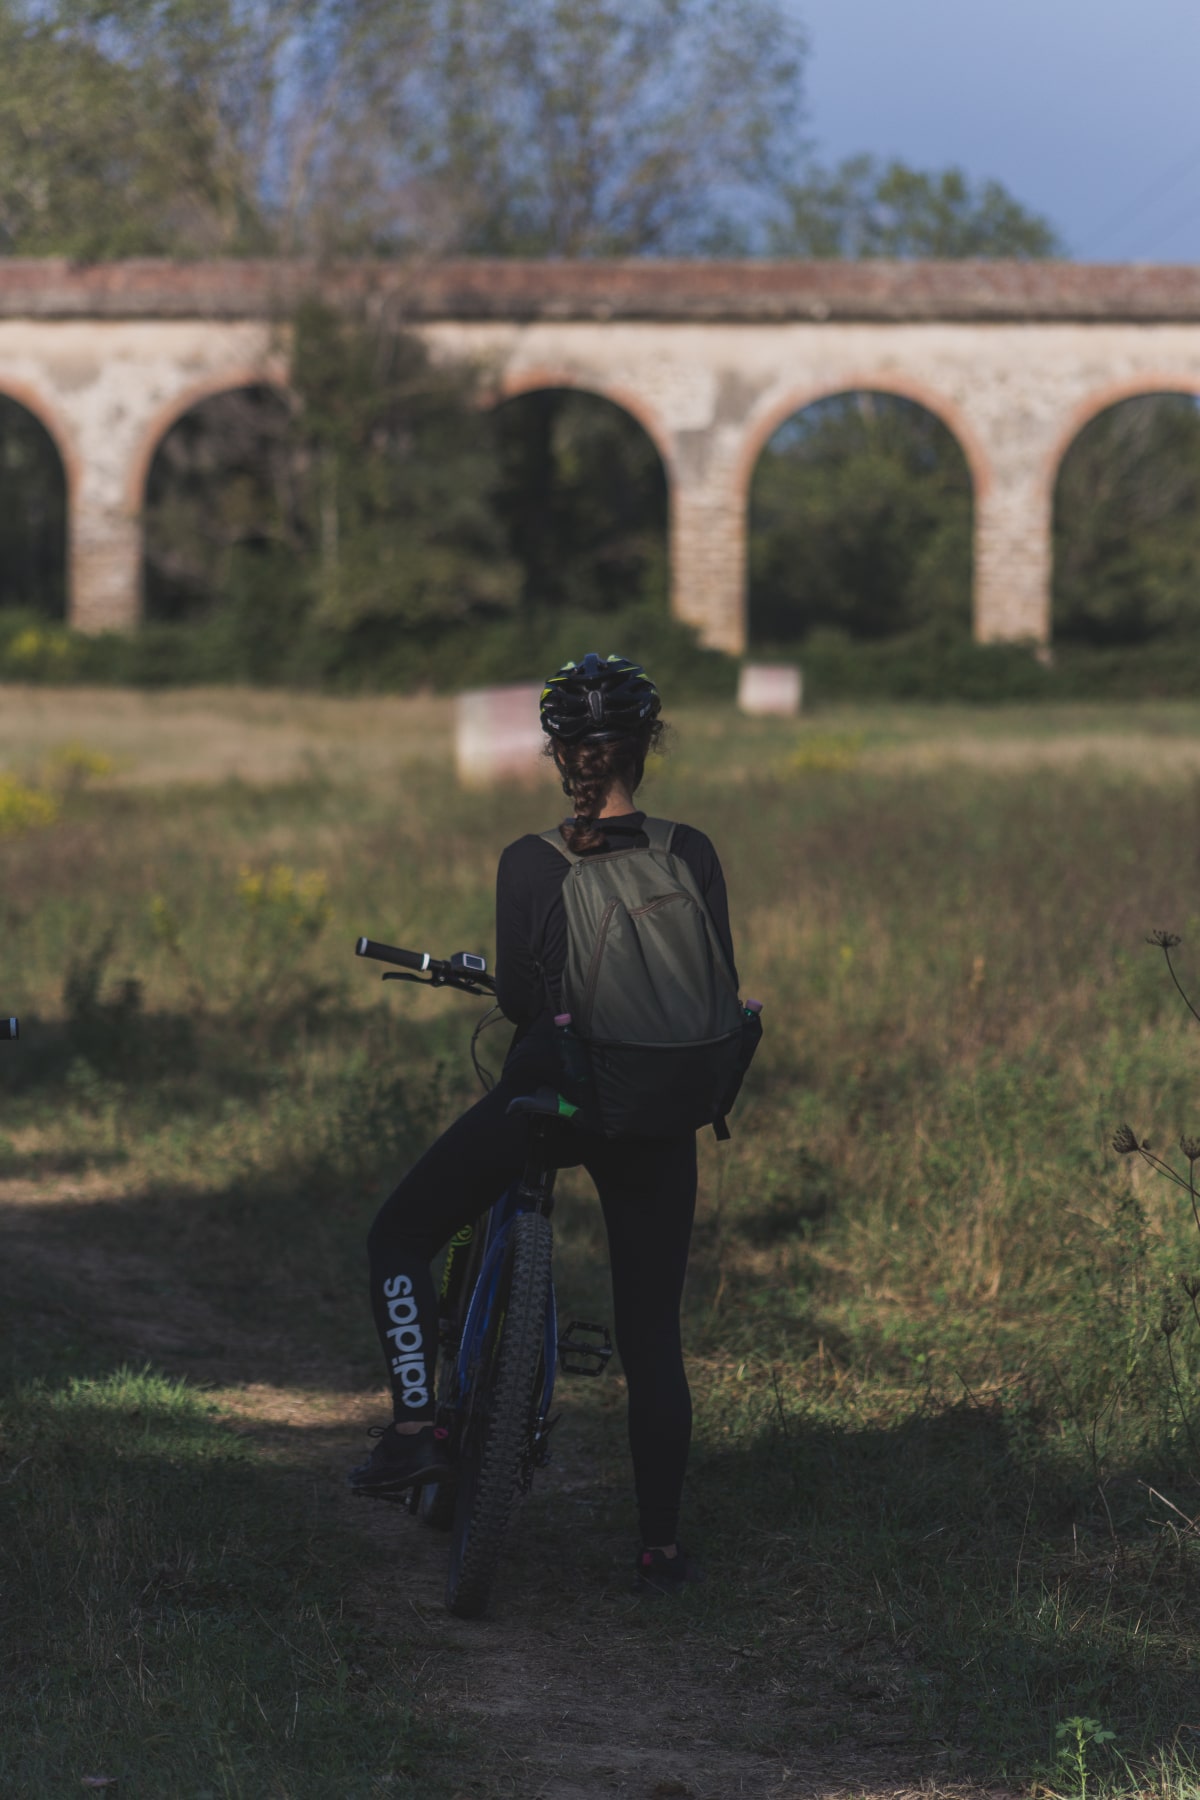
601,717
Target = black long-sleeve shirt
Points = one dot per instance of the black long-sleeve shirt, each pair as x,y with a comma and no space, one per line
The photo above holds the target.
531,923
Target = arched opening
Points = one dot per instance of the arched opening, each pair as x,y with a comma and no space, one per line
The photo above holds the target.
218,497
860,523
582,499
1127,525
33,515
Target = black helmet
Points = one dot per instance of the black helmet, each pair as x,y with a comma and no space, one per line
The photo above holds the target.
597,700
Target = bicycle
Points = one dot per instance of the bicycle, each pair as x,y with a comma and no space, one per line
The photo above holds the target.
498,1342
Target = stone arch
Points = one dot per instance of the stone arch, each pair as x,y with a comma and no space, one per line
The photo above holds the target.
170,412
55,545
56,428
1105,587
1100,400
514,383
237,440
602,532
776,409
806,580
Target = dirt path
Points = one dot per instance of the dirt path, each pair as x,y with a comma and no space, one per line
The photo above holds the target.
587,1692
584,1692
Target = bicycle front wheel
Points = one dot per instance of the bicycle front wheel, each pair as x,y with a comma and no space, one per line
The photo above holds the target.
498,1438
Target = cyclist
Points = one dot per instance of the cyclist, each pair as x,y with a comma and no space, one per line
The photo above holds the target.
601,717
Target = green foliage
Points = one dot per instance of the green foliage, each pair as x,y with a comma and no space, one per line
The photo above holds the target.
387,532
303,539
175,1613
33,510
398,503
582,495
221,494
1077,1739
860,518
116,131
560,129
923,1308
199,127
866,208
1127,526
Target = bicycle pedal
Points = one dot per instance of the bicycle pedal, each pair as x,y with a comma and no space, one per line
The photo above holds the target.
584,1349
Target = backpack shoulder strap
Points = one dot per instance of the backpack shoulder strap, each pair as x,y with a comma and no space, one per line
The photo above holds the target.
660,832
554,836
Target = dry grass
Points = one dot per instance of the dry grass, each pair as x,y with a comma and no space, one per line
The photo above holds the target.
925,1299
203,735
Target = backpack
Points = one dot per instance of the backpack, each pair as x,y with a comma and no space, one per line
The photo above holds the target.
654,1009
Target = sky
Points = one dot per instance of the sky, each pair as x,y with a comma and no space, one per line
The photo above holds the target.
1086,110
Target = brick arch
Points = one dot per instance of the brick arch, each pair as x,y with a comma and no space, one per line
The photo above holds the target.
1133,387
229,381
531,381
56,429
763,425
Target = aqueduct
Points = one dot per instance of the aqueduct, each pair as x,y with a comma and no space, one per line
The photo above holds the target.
710,357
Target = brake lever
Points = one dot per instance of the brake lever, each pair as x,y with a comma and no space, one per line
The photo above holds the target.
439,980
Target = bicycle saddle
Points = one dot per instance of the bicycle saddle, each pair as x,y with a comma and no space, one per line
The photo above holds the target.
544,1104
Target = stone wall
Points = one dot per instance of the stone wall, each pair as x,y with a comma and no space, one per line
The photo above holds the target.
710,358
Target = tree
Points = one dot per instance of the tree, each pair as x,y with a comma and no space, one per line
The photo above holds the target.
582,496
317,535
1127,525
223,490
861,515
860,522
33,514
399,478
540,127
864,208
190,127
578,128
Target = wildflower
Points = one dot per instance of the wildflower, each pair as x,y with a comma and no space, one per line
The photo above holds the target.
1190,1147
24,808
1125,1141
1172,1312
1164,940
1190,1285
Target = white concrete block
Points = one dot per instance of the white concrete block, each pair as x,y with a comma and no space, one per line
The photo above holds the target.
770,688
498,736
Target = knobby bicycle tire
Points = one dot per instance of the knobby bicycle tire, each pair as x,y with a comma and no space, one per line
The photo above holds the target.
496,1442
433,1502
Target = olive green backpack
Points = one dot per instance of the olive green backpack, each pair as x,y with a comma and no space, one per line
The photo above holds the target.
650,993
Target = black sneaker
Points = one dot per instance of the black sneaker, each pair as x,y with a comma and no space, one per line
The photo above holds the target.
401,1461
659,1574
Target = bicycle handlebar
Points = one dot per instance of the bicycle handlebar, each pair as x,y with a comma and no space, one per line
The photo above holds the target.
463,970
9,1028
405,959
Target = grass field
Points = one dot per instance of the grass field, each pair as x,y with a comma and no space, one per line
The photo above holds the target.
944,1341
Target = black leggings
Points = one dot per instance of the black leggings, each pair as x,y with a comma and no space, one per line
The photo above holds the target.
648,1193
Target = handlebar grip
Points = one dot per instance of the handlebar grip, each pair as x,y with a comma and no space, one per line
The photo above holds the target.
404,959
9,1028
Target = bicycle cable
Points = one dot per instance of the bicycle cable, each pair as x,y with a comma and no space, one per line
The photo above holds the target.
491,1017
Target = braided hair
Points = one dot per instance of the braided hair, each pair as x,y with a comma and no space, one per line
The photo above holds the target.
589,770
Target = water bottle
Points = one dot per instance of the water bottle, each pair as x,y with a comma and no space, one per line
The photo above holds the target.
751,1030
572,1054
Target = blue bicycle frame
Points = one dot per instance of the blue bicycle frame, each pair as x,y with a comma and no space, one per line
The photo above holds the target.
483,1297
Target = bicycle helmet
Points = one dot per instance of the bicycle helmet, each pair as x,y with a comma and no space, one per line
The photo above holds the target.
598,700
